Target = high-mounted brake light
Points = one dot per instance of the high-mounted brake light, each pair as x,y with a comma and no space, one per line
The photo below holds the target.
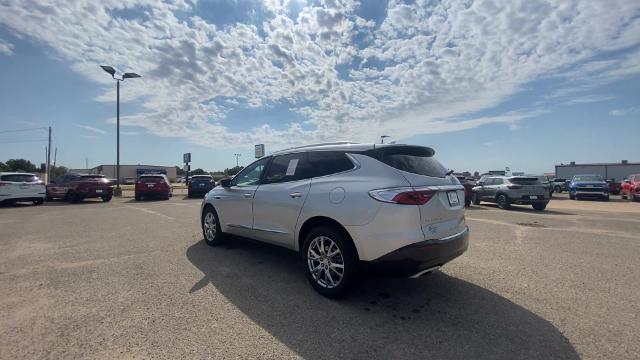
403,196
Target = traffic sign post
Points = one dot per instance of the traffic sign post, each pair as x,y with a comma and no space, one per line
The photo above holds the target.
259,148
186,157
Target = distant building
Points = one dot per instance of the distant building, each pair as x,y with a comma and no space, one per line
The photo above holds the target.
617,171
134,171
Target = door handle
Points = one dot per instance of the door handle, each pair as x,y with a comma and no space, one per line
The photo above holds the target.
247,195
217,197
295,195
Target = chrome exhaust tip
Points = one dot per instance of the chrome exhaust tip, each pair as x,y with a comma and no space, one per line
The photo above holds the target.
426,271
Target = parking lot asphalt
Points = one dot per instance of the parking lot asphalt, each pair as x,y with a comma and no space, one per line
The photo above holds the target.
129,279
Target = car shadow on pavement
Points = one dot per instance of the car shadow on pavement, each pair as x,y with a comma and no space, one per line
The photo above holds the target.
439,316
527,209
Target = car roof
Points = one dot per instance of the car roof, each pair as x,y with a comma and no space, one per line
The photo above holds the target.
346,146
16,173
150,175
201,176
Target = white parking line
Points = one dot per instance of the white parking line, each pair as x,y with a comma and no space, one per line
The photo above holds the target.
150,212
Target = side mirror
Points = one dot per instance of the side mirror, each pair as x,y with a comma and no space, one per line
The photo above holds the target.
627,181
225,182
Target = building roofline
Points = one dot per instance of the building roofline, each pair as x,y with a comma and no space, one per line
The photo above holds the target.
95,167
599,164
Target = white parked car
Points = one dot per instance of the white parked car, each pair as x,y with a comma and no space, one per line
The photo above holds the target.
21,187
341,205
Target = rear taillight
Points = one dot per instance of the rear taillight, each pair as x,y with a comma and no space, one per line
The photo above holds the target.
403,196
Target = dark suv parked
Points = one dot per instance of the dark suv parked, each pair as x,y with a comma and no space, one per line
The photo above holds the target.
200,185
505,191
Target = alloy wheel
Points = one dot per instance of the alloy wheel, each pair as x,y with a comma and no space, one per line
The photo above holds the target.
210,226
325,262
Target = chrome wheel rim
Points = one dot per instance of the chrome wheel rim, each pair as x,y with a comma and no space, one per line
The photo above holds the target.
325,262
210,226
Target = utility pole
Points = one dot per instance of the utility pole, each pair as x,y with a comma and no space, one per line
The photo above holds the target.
382,137
49,157
86,163
55,156
237,159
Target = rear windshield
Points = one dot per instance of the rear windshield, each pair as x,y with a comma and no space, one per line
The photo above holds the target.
413,159
587,178
20,178
152,179
524,181
202,178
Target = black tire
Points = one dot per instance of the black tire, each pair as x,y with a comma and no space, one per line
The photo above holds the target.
189,195
467,202
73,197
503,201
605,198
347,257
167,197
539,206
622,196
38,202
138,197
476,199
557,189
48,198
572,197
218,236
106,198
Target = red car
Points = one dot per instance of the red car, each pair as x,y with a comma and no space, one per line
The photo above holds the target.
630,188
153,186
76,187
468,186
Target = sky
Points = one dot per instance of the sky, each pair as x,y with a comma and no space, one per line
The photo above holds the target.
487,84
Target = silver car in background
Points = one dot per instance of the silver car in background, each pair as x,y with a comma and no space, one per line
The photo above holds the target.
508,190
393,208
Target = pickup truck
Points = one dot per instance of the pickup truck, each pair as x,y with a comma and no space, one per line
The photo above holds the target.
76,187
589,186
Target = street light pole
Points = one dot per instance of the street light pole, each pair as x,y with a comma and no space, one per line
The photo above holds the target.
112,72
237,159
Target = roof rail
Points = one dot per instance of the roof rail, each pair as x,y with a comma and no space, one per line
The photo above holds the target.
319,144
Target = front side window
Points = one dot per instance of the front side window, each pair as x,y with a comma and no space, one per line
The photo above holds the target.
498,181
251,174
287,167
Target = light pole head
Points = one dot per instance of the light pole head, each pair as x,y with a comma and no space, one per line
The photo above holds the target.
130,76
109,69
382,137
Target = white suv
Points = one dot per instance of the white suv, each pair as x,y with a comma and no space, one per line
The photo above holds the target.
21,187
343,205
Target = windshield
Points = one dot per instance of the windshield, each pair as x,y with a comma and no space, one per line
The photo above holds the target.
20,178
525,180
585,178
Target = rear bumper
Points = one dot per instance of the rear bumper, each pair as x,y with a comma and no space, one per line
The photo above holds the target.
94,194
32,197
152,193
420,256
592,194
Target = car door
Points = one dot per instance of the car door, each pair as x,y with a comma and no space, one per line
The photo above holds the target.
490,189
234,204
484,188
279,199
60,187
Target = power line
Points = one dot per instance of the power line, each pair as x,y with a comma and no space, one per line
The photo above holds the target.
20,130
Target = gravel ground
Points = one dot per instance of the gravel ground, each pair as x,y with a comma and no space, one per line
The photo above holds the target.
132,280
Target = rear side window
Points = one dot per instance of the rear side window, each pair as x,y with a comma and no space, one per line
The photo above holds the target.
413,159
498,181
322,163
287,167
20,178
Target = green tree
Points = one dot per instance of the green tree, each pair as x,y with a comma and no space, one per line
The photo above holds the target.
3,167
21,165
57,171
197,171
180,171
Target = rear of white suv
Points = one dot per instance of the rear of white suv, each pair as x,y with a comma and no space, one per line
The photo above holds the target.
392,207
21,187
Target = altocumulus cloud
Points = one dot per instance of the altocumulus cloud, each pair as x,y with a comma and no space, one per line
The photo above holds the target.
422,67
